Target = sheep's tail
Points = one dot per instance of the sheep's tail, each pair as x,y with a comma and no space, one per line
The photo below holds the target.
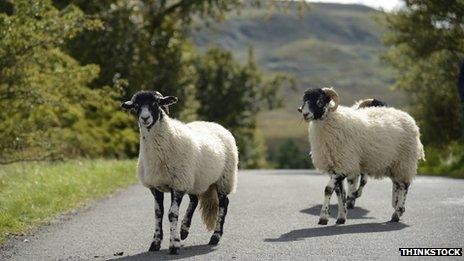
420,151
209,204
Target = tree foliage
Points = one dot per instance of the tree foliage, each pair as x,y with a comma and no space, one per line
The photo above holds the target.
46,107
232,95
145,43
66,64
427,47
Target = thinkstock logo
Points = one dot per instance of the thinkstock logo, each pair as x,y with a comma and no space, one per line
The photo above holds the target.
430,251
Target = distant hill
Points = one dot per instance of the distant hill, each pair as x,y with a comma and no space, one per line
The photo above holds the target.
327,45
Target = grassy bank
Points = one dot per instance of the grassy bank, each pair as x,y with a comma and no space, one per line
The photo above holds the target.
34,193
447,161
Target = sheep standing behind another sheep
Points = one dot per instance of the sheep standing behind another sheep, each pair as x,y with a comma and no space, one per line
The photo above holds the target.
355,191
378,141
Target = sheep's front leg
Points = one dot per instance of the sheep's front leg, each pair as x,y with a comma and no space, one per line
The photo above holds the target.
400,190
184,229
353,191
159,210
352,187
361,185
174,242
341,196
324,216
218,231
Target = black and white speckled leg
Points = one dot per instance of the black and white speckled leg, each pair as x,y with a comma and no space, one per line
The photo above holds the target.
395,190
324,216
184,229
352,188
218,231
341,196
159,211
401,193
174,241
362,183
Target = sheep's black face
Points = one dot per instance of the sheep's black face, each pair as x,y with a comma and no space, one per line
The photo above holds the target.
315,104
147,105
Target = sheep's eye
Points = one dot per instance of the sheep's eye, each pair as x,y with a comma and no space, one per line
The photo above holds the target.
320,103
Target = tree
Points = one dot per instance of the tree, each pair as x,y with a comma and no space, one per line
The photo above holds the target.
47,109
145,43
427,47
232,95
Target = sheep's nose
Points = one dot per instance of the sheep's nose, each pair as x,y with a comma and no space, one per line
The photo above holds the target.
145,118
306,114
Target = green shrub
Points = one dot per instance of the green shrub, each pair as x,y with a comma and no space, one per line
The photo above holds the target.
290,156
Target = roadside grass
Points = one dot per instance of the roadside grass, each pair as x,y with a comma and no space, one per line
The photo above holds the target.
34,193
447,161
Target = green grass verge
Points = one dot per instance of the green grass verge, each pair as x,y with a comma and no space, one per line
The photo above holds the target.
33,193
447,161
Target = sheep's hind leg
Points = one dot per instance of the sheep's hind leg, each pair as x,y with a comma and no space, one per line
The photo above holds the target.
159,211
363,183
341,196
352,188
184,229
324,216
174,242
400,190
218,231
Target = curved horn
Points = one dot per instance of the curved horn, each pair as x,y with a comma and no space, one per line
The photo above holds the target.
333,95
365,103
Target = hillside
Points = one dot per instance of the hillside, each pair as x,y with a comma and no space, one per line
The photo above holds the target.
327,45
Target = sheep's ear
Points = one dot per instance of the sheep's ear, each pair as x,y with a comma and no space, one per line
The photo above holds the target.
127,105
167,100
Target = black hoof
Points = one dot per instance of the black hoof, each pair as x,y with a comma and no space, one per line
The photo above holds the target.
323,221
214,240
183,234
173,250
340,221
395,218
350,204
154,247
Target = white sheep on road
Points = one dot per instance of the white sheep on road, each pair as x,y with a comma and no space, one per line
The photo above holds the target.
378,141
199,159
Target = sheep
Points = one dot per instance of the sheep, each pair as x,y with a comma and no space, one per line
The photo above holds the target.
354,191
199,159
367,103
379,141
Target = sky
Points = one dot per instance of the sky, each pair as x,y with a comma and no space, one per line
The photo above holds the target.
386,5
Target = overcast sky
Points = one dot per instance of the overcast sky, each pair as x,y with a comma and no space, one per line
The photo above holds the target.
386,5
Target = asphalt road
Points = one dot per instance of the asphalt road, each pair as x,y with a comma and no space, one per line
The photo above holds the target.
273,215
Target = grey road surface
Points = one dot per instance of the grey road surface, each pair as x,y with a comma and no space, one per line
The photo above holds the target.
272,216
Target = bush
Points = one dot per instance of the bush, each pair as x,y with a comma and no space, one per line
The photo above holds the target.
290,156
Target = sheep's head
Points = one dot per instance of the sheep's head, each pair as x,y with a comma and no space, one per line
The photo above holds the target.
317,103
148,106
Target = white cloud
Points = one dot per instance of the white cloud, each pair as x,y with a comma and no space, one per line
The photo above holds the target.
386,5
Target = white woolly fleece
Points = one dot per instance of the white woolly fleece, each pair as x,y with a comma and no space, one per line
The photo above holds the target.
187,157
379,141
